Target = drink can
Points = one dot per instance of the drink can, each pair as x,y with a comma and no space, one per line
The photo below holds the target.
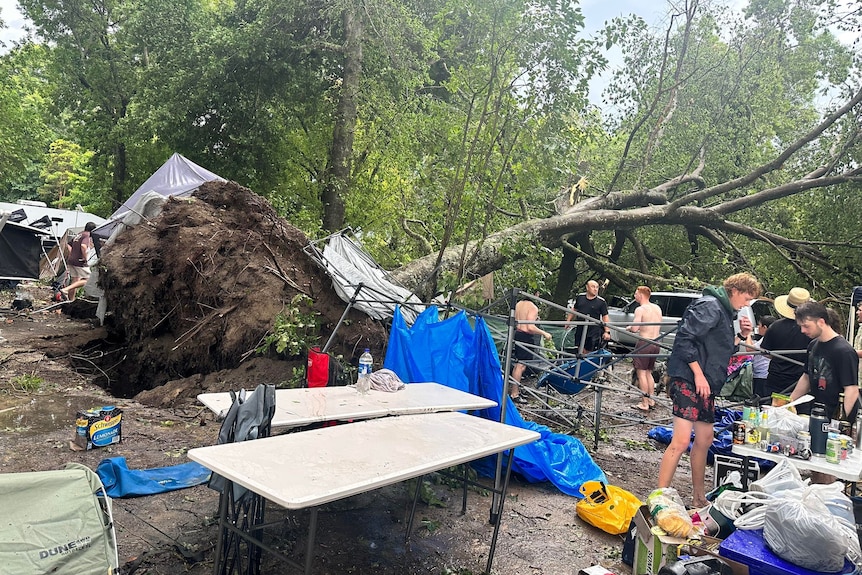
833,450
738,432
772,447
803,440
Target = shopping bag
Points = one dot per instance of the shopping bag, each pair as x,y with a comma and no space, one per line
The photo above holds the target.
607,507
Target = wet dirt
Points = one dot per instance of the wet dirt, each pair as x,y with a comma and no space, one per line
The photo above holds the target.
41,414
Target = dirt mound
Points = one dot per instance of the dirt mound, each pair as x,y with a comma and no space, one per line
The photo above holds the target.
196,289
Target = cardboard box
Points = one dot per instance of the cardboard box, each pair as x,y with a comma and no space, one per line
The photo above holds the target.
652,551
709,546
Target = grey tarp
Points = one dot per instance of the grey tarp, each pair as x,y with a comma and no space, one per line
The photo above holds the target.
53,522
178,176
350,267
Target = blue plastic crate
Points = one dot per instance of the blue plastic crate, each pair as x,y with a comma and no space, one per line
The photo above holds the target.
749,548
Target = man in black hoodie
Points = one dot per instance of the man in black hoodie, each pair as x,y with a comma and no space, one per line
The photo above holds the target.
697,369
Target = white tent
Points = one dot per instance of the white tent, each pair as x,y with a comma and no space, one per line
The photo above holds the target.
178,176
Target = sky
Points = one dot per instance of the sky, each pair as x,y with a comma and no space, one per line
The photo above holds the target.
595,11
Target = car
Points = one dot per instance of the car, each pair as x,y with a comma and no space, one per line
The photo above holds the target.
672,306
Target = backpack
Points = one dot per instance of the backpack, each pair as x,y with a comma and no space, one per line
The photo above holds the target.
325,370
739,384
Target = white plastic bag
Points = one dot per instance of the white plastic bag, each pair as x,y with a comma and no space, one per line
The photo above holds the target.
804,532
785,423
666,507
780,478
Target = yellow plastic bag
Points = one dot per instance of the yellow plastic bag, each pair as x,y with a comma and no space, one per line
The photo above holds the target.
607,507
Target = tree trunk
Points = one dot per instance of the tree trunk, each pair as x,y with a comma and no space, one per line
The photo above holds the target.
337,180
118,180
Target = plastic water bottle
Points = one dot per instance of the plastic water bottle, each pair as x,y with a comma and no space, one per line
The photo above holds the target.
363,384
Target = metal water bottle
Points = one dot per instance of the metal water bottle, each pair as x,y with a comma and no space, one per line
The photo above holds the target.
818,427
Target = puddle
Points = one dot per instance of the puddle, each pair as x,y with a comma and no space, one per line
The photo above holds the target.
41,413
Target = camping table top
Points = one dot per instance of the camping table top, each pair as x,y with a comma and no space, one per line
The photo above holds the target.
297,407
310,468
848,470
299,470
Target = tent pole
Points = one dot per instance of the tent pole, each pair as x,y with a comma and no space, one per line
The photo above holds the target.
498,468
341,319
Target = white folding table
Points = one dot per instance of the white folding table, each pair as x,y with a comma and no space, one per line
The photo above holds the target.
849,470
310,468
304,406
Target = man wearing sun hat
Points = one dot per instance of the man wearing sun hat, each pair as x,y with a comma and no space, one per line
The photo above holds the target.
785,334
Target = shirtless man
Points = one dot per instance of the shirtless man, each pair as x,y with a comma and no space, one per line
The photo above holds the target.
525,333
647,312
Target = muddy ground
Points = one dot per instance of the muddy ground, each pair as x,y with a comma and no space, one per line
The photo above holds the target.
44,381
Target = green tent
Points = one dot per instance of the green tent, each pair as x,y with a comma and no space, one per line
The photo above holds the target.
56,522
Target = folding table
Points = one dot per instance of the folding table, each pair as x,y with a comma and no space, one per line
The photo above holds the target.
310,468
848,470
304,406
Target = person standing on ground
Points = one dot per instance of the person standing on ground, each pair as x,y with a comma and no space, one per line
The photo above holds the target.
697,369
760,363
525,333
592,305
645,351
785,334
79,269
833,365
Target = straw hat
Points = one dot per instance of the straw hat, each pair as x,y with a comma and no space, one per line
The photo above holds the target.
786,304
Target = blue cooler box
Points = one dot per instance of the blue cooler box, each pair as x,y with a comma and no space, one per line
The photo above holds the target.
749,548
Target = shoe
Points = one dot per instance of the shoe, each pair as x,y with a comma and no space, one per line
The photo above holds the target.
519,400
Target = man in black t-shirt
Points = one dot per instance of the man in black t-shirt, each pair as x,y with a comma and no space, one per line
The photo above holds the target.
785,334
832,366
590,304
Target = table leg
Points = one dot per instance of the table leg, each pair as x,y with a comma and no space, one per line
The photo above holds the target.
597,418
500,511
219,564
413,508
312,533
466,468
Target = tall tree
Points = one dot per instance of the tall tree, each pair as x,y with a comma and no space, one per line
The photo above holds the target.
718,121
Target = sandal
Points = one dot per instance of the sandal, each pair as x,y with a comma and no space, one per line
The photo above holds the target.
519,400
640,407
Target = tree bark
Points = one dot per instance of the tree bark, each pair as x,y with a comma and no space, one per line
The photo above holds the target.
337,179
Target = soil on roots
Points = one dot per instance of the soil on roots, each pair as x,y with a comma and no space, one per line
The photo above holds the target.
196,290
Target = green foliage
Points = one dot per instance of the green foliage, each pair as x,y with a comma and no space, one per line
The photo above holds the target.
27,383
294,330
65,175
25,120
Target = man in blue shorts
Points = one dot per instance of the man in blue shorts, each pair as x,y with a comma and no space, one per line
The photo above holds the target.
697,369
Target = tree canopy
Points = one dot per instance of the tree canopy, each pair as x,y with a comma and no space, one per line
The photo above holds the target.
458,135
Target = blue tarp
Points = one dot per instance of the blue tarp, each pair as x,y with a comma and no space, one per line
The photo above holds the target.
120,481
722,430
453,353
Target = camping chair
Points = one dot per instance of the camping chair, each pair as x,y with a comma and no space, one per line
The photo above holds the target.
248,418
56,522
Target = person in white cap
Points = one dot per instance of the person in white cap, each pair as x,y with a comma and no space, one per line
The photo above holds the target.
785,334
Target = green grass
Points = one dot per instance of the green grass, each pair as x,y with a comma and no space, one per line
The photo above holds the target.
27,382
